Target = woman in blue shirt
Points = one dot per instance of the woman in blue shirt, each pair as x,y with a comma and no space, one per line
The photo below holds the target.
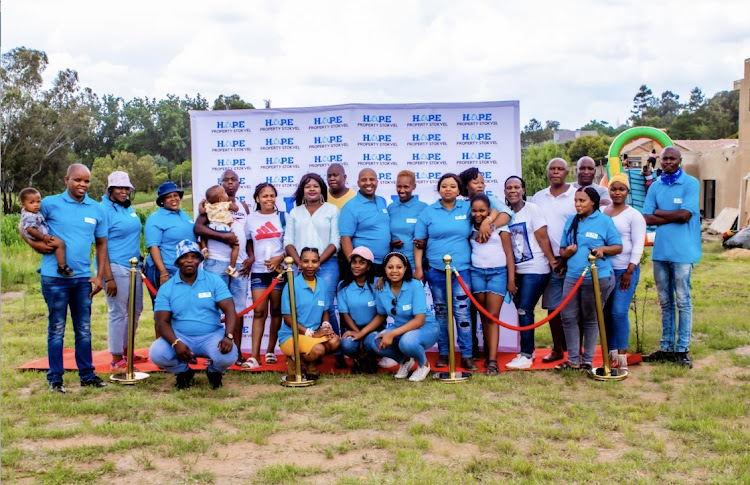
403,214
587,232
414,328
164,229
357,308
445,228
123,243
311,298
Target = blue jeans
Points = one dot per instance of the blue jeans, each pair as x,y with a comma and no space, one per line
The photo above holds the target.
530,288
163,355
617,309
61,293
237,286
461,313
582,307
673,286
350,348
117,318
412,344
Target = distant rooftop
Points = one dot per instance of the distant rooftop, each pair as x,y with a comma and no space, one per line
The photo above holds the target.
689,145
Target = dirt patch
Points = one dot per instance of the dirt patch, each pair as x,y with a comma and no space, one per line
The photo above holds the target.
742,350
12,295
736,253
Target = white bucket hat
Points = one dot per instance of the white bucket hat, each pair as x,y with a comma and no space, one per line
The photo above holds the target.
119,179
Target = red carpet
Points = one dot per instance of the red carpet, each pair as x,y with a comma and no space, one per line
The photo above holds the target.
102,358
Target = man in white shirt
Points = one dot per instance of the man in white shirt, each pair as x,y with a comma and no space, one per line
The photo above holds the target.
556,203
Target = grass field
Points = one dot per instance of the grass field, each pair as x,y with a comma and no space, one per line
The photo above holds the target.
664,424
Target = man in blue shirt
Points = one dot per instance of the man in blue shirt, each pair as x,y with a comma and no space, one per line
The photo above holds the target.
365,221
187,314
78,220
672,205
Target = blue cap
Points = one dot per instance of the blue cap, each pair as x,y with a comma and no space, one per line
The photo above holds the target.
165,189
187,246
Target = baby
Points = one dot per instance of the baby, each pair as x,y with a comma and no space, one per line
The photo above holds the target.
218,209
36,228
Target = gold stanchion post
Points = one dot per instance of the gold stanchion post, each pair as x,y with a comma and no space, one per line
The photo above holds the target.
452,375
299,379
605,373
130,377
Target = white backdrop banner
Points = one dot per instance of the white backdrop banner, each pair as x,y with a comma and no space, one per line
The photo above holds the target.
281,145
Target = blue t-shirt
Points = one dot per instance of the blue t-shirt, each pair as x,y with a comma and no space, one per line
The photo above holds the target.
358,302
595,231
123,232
166,228
403,221
447,232
677,242
77,224
368,224
411,301
195,309
310,305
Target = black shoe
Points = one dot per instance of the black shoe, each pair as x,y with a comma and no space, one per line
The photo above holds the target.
341,362
370,365
468,364
94,382
442,361
184,380
660,356
683,359
57,387
215,378
356,366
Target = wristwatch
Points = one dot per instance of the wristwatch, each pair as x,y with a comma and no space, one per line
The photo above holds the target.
229,336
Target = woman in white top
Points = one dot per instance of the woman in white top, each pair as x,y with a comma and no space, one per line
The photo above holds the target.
632,228
314,223
532,253
492,274
266,226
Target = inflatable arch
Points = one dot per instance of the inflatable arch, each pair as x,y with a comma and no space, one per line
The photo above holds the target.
615,166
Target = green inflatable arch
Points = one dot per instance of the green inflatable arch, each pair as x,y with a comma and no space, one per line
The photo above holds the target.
614,166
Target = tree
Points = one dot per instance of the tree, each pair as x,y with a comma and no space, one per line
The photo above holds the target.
184,173
696,99
533,133
669,107
603,128
143,172
643,103
40,128
596,147
534,160
231,102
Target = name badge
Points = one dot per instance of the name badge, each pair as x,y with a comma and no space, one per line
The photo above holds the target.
133,214
592,235
677,200
204,294
385,211
459,218
89,220
370,303
406,307
411,220
321,303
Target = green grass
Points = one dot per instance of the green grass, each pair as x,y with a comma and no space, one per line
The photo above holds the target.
664,424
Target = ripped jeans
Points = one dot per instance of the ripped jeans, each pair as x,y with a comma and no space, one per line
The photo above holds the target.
436,280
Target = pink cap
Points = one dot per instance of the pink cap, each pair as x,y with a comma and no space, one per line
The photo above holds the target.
119,179
363,253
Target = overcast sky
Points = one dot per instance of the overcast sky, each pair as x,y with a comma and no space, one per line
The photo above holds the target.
570,61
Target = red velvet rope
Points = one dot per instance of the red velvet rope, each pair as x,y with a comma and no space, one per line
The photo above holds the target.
247,310
530,327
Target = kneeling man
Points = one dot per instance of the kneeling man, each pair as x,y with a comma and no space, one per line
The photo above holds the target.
187,313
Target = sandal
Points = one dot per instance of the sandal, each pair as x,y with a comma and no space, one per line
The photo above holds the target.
586,366
139,358
250,364
270,358
492,368
240,360
567,365
121,366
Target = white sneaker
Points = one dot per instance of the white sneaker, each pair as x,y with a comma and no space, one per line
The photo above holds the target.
420,373
386,362
520,362
403,369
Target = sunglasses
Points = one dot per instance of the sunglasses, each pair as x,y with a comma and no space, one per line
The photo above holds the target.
394,302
